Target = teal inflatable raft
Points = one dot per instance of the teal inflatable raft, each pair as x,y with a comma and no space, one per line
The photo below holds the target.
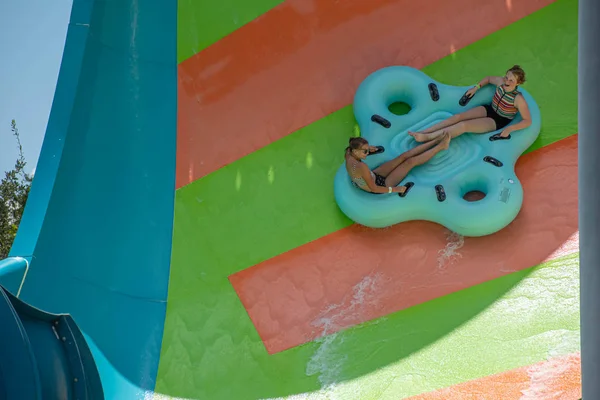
473,163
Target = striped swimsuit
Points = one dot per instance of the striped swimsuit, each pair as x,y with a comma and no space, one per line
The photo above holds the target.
504,102
503,109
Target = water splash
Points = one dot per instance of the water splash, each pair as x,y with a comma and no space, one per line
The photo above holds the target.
545,378
450,253
328,361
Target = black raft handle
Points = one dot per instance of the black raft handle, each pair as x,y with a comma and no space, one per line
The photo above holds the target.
494,161
381,121
464,100
408,186
380,149
498,137
433,91
440,193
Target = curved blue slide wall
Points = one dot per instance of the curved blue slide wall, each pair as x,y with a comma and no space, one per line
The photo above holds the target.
98,224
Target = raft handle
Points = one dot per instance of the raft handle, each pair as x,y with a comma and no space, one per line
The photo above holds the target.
464,100
440,193
381,121
498,137
408,185
380,149
495,162
433,92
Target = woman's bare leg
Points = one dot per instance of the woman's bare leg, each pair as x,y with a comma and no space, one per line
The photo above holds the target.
396,176
388,166
477,112
479,125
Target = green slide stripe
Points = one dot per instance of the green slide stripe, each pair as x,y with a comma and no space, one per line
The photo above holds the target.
281,196
201,23
212,351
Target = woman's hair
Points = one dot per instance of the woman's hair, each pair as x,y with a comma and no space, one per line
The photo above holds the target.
518,73
355,143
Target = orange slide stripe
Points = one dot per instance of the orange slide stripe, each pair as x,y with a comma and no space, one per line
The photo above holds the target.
284,294
304,60
555,379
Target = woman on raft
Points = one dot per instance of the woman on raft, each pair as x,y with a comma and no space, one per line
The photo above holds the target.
506,103
386,177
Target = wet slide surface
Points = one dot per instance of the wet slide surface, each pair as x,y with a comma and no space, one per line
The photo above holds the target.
248,282
557,378
283,300
270,295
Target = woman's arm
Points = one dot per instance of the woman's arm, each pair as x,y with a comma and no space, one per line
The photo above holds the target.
365,172
495,80
523,108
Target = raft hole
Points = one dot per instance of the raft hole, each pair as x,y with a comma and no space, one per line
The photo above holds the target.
399,108
474,187
474,195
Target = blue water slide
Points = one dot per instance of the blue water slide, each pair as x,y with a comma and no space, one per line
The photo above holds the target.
95,238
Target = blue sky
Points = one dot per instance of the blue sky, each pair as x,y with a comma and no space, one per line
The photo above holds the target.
32,38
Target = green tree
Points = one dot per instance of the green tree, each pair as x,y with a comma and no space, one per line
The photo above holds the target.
14,190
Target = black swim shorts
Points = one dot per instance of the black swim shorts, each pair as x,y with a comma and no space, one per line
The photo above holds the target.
379,180
500,121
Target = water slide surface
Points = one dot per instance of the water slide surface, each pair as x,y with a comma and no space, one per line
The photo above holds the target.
183,214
